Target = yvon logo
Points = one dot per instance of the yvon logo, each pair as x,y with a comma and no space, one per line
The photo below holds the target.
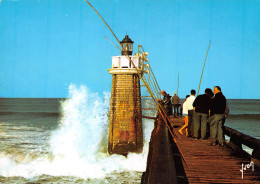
247,166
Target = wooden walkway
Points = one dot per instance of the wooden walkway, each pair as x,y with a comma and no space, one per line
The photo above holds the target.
211,164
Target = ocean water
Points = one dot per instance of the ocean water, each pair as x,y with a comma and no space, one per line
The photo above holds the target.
245,116
65,140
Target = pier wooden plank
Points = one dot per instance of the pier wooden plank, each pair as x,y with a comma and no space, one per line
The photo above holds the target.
211,164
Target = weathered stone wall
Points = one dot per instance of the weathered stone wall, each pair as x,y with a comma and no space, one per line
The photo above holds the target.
125,128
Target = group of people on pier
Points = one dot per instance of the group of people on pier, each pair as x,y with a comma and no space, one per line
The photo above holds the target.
210,108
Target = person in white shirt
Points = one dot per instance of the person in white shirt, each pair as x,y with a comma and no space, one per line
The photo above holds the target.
187,112
191,112
185,116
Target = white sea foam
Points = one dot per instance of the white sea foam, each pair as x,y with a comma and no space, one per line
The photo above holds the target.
76,146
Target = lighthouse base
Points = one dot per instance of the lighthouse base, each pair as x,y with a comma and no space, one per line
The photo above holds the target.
124,149
125,128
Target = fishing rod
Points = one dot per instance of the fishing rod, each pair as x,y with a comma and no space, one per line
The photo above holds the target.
112,43
203,67
144,81
158,105
124,51
178,85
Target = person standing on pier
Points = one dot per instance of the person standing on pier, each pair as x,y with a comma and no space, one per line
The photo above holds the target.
217,110
211,94
201,105
166,102
175,102
183,103
186,120
188,109
189,102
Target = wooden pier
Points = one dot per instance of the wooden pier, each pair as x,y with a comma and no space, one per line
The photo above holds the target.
196,161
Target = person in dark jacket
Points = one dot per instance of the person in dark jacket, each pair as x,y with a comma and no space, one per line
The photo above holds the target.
201,105
166,102
211,94
166,106
217,110
175,102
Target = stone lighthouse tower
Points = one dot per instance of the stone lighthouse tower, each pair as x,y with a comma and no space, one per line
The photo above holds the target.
125,128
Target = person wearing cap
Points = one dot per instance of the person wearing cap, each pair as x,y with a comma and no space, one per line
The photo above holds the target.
175,103
201,105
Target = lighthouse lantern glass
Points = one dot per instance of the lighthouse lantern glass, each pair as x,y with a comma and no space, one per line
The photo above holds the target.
127,45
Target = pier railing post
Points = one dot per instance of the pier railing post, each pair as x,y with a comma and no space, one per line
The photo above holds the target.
237,139
256,156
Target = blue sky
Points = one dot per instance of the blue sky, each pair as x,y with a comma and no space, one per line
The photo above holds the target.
45,45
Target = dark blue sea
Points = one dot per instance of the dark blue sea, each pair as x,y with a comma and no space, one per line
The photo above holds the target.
55,140
245,116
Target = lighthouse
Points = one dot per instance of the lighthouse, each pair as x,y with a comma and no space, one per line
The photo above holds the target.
125,128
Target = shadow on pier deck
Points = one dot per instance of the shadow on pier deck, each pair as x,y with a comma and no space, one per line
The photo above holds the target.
204,163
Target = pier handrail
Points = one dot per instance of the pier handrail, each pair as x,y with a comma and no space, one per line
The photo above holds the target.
238,138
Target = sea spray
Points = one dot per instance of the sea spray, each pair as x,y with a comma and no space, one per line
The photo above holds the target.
78,147
83,124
